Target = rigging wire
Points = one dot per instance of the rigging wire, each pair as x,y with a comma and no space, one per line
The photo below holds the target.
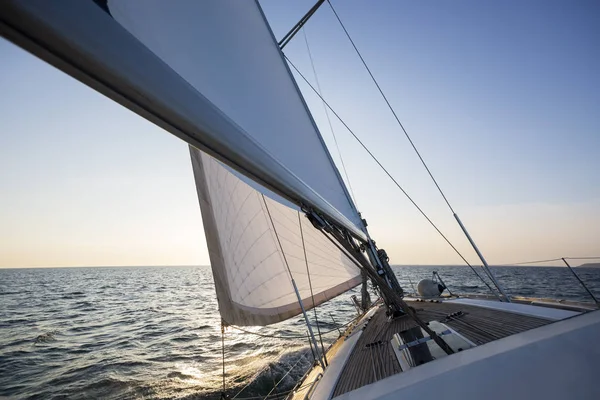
386,290
553,259
483,280
312,296
286,374
261,397
292,279
280,394
328,117
311,345
274,384
244,388
389,105
288,336
383,168
532,262
488,273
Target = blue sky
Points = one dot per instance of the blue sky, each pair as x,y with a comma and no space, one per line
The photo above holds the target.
501,98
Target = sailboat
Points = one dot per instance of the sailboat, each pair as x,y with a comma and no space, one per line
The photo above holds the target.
283,232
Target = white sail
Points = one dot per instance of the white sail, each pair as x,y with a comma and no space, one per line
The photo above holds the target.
209,72
252,239
247,79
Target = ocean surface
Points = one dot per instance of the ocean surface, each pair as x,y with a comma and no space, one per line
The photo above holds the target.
154,332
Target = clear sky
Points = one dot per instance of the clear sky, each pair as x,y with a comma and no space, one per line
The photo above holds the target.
502,99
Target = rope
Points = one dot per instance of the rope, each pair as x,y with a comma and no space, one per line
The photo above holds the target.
383,168
287,337
312,296
390,106
328,118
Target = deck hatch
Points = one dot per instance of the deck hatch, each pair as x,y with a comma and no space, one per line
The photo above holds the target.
414,347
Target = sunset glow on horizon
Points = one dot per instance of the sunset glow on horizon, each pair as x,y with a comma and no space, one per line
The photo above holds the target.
507,120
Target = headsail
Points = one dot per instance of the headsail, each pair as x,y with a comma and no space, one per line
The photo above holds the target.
209,72
249,266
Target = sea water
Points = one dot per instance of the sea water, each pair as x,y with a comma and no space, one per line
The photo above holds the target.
154,332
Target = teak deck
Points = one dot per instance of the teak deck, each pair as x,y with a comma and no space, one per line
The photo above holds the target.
373,358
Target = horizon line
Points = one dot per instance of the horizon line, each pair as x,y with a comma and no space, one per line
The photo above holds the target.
208,265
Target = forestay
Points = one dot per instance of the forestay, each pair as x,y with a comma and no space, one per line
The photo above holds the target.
209,72
244,229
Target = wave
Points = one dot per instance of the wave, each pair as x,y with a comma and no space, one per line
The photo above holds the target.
72,295
46,337
287,370
185,339
140,343
180,375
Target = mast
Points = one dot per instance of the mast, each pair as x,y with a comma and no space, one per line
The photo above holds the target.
378,258
118,54
390,295
296,28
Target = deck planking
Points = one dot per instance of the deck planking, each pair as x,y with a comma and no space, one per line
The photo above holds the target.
373,358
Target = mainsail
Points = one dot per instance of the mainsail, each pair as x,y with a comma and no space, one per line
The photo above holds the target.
171,61
211,73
